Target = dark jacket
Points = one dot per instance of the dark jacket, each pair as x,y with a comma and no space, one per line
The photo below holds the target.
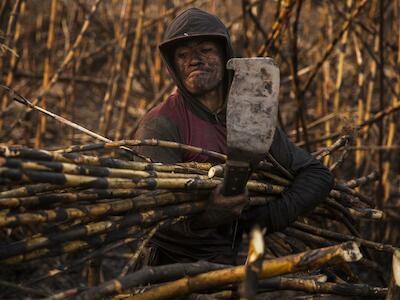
183,119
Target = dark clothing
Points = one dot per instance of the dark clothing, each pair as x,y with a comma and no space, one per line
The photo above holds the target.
172,120
181,118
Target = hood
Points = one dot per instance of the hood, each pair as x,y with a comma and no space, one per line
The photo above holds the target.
193,23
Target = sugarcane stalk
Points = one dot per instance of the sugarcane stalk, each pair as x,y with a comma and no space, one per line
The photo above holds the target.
366,213
342,141
361,107
343,237
147,183
343,218
69,247
382,89
277,237
392,128
340,160
296,244
122,39
72,246
29,189
94,195
134,257
362,180
275,248
276,27
100,209
146,218
346,199
109,45
32,105
157,70
43,155
270,268
266,166
70,197
195,165
135,55
373,119
276,178
332,204
341,59
15,17
40,130
344,28
293,64
121,240
313,286
23,289
342,214
363,198
271,283
75,169
374,267
352,213
308,237
394,287
218,171
150,275
65,294
248,288
347,252
67,59
314,124
279,167
123,236
101,182
147,142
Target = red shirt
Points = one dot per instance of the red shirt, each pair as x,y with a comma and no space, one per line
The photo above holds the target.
173,120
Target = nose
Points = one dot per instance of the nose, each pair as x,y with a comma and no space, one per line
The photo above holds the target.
195,58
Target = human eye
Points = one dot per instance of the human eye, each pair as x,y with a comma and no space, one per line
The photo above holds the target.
181,54
206,50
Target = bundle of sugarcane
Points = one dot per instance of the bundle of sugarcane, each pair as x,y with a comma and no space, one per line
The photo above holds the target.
60,203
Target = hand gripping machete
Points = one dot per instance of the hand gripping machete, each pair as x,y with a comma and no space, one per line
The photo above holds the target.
251,118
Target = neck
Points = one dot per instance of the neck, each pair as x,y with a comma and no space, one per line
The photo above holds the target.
213,99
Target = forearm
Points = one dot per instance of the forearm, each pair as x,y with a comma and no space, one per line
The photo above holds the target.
309,188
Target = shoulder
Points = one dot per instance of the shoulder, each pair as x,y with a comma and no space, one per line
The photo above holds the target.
163,121
171,108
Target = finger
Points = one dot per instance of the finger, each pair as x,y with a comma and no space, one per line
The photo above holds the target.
237,211
229,205
231,201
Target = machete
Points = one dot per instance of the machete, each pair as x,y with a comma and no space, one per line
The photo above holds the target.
252,108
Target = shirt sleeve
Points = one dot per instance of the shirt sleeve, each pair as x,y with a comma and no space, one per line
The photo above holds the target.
311,185
160,128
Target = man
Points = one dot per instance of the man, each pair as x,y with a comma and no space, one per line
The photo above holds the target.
195,49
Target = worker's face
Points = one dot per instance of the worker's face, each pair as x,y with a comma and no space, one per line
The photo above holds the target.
200,65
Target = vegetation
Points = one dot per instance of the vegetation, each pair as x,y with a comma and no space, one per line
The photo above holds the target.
95,63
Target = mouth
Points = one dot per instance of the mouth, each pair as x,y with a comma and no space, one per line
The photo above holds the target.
196,72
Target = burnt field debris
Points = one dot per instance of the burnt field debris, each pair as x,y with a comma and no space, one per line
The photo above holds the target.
66,210
77,212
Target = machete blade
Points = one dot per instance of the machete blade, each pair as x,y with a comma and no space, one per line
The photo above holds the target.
252,107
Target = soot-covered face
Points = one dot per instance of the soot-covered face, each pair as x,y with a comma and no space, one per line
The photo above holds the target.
200,65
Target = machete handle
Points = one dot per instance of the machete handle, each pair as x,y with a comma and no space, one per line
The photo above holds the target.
235,178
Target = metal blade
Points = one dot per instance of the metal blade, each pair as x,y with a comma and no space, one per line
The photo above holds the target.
252,107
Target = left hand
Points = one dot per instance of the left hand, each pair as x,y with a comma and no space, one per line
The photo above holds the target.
221,209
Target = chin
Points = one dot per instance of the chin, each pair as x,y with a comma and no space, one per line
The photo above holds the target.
200,90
